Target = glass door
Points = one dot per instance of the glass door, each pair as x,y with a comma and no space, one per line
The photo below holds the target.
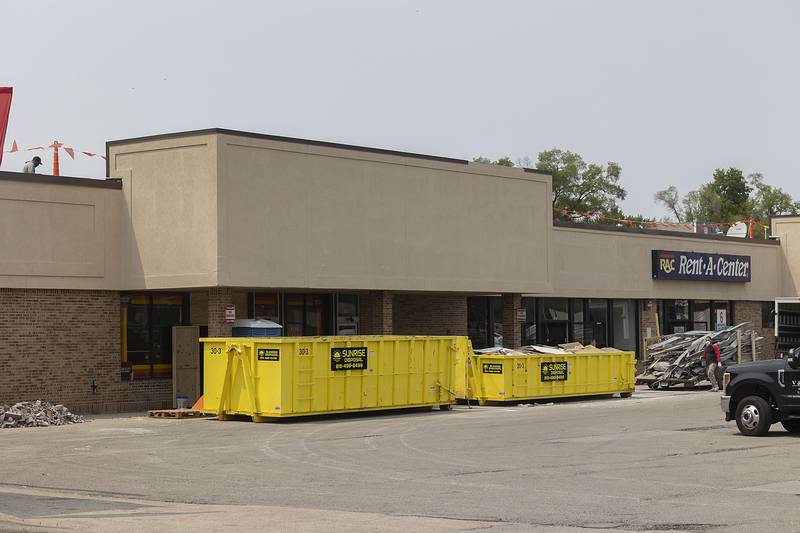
346,314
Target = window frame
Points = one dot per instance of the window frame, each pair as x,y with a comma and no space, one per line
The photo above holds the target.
149,370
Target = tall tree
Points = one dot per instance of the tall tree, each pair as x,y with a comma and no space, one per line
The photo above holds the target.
670,198
728,197
767,201
579,186
733,192
702,205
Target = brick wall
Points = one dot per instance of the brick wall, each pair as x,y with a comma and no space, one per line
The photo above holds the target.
427,314
750,311
648,310
218,298
56,342
375,313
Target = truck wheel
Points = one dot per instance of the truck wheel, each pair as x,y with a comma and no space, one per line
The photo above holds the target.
753,416
625,394
792,426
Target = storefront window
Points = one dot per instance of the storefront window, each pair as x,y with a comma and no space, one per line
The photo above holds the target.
147,322
677,316
497,325
596,330
554,324
267,307
485,321
701,315
722,315
529,327
680,316
478,322
136,318
577,328
306,314
623,318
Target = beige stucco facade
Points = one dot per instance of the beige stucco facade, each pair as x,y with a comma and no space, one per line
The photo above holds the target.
305,216
59,233
617,264
787,229
220,208
248,211
170,211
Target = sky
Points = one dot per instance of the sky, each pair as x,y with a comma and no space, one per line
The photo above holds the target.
669,89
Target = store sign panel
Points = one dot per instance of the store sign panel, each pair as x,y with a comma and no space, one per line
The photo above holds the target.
694,266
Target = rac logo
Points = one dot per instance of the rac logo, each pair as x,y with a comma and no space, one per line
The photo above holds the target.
666,265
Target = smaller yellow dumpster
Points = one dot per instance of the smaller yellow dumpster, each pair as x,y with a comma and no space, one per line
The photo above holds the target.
491,378
276,377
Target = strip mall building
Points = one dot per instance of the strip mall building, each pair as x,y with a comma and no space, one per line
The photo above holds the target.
331,239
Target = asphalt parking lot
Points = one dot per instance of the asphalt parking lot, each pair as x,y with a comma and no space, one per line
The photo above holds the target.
660,461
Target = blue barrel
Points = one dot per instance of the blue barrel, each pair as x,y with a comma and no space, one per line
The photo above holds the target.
256,328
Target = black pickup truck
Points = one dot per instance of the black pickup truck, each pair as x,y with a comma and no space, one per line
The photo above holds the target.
762,393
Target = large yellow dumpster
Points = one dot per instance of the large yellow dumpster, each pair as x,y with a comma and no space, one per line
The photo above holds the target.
499,378
294,376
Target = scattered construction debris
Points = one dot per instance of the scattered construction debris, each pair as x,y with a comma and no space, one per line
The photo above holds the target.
36,414
677,359
176,413
561,349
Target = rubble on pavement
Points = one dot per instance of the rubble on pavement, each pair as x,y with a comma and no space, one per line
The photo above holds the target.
36,414
678,357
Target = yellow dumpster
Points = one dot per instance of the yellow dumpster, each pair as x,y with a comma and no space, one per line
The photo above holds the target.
499,378
294,376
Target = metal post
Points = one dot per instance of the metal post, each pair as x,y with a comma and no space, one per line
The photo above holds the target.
738,346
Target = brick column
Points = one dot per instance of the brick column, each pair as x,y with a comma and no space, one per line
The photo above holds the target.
512,328
376,313
218,298
648,323
750,311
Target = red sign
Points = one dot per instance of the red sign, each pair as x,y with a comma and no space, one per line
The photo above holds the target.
230,313
5,111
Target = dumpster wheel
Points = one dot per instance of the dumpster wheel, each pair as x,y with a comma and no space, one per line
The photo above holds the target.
446,407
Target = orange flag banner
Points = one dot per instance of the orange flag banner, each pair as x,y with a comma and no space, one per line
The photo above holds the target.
90,154
14,147
70,152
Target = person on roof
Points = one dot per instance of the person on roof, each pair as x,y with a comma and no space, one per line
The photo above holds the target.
711,360
30,166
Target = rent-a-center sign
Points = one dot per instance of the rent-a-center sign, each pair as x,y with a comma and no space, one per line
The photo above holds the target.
699,266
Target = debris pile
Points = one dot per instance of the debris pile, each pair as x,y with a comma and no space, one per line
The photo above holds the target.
561,349
36,414
677,358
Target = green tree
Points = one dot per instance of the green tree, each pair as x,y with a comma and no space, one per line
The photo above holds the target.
503,161
728,197
579,186
670,198
767,201
702,205
733,192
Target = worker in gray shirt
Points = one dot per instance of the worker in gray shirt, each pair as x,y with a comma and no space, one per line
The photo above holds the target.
30,166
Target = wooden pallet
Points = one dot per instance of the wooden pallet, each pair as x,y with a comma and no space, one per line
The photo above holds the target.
176,413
